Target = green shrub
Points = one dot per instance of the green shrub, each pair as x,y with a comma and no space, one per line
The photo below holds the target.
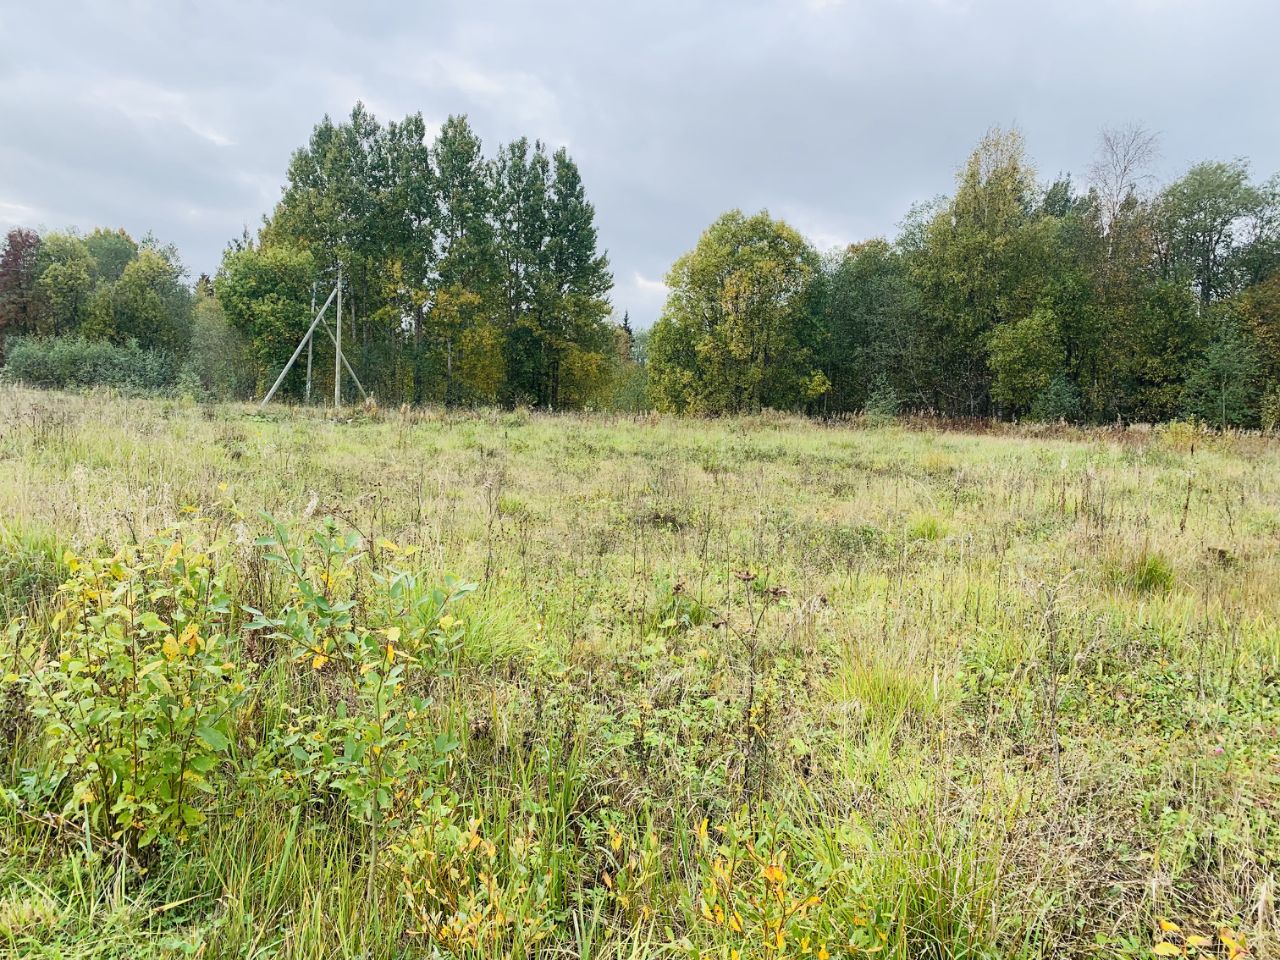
217,363
137,704
1060,401
371,742
73,363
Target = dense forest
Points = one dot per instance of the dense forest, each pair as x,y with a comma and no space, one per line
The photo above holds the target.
474,280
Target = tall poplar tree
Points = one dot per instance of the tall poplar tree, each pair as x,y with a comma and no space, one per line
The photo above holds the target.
520,174
464,344
575,288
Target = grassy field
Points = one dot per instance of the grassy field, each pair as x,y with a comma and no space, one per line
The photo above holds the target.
507,684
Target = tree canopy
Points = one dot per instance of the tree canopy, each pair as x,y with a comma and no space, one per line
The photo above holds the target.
736,334
1014,297
467,279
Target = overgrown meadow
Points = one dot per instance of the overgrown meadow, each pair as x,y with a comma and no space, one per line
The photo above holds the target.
418,684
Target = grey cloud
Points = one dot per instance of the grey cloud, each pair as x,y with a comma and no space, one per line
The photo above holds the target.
180,117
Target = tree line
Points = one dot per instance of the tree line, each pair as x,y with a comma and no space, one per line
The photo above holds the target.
474,279
466,279
79,311
1011,298
105,286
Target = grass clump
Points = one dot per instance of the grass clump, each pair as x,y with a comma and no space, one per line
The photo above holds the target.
1147,571
926,527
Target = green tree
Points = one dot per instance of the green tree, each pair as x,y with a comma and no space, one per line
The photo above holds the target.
151,304
265,294
100,314
216,361
464,341
1169,334
737,332
1203,221
629,378
329,203
1260,309
521,173
872,326
357,196
1222,387
1027,356
112,251
65,282
575,289
980,263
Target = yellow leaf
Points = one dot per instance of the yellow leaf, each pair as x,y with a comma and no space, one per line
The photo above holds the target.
318,661
393,634
391,653
1166,949
170,648
1234,943
1168,926
189,638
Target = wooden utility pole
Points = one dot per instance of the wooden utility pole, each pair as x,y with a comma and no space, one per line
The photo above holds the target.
310,344
296,353
337,351
339,358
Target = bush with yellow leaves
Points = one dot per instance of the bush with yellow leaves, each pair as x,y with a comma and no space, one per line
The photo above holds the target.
367,739
136,690
472,895
759,899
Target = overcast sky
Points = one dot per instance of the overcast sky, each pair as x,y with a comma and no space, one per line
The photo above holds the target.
179,117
